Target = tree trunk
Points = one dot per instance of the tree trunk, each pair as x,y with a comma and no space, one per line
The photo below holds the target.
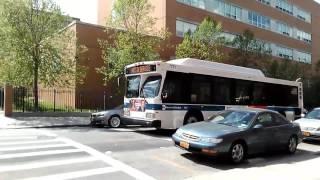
35,86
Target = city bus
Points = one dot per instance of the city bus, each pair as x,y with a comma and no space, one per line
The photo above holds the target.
170,94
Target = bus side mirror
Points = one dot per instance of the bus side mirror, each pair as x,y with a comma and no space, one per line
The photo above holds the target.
164,95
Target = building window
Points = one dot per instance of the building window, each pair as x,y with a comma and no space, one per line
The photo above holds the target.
284,6
259,20
284,29
303,15
303,57
267,2
283,52
216,6
194,3
183,27
303,36
229,10
275,49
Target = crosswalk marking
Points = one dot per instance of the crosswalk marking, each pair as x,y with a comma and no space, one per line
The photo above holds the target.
41,147
77,174
40,153
34,147
46,164
115,163
28,142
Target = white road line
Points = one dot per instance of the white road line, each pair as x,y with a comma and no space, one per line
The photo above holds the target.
18,138
115,163
28,142
46,164
77,174
40,153
33,147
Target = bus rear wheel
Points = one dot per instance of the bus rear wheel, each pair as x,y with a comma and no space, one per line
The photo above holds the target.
190,120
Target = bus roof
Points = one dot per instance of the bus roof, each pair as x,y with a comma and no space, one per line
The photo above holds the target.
227,70
214,66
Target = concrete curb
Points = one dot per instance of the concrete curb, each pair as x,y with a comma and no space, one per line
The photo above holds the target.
49,114
39,127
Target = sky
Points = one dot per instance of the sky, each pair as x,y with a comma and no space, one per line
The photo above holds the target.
86,10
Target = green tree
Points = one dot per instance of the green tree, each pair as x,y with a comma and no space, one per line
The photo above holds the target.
249,52
205,43
132,37
36,49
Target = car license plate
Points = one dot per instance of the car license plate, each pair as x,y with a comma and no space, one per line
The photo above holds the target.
184,144
306,134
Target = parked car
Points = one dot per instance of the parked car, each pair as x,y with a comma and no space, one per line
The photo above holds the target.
110,118
310,124
239,133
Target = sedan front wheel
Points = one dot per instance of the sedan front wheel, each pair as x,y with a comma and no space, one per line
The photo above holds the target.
292,145
115,122
237,153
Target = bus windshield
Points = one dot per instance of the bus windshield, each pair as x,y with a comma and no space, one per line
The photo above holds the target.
151,87
133,84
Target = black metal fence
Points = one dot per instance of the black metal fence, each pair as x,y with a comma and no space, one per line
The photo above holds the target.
63,100
1,99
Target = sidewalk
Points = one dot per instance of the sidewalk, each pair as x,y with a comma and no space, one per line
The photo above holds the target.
41,122
292,171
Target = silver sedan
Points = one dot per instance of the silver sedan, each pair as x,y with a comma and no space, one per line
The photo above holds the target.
110,118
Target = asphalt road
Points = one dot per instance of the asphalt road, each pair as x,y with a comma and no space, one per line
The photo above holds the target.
125,153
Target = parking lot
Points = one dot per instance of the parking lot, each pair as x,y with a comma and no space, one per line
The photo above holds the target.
141,153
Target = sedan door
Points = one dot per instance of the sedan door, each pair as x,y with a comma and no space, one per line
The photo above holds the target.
262,138
282,130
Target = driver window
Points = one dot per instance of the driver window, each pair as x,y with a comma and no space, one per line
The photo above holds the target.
265,120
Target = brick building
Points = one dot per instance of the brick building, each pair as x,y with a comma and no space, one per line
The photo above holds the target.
288,27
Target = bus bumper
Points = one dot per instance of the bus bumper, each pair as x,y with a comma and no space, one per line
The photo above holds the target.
141,122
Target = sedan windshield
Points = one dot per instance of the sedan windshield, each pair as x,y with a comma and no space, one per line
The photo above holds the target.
133,84
314,114
151,87
240,119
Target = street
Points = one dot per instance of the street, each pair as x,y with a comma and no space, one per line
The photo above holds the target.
131,153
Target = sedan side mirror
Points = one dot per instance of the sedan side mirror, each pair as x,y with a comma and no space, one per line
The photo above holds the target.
257,126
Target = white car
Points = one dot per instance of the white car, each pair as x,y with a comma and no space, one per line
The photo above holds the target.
310,124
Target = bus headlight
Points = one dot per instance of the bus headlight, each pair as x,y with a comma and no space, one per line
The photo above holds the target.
211,140
150,115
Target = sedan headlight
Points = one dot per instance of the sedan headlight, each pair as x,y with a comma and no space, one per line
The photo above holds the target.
101,114
179,132
211,140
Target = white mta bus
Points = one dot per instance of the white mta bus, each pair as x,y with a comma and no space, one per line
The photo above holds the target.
171,94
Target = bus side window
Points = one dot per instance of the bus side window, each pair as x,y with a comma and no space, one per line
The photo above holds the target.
200,89
222,91
258,94
173,88
243,92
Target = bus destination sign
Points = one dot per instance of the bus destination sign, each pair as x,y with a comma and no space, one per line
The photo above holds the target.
141,69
